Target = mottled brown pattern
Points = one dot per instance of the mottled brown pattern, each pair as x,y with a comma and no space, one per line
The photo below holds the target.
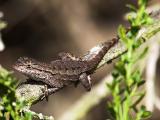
68,68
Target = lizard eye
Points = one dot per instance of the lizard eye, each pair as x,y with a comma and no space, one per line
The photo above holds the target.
28,66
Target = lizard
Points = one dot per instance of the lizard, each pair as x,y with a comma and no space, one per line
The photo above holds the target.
68,69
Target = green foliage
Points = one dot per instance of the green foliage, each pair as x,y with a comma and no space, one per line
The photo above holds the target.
138,16
10,106
127,81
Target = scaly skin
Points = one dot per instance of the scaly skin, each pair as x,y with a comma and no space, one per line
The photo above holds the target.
69,68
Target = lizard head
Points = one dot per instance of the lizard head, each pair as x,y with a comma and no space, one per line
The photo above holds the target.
31,68
24,64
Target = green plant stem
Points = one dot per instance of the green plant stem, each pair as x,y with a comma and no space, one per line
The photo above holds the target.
124,68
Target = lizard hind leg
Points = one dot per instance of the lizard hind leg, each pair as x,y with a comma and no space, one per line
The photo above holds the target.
85,81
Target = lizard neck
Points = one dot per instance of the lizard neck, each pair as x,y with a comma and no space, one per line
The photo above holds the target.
96,54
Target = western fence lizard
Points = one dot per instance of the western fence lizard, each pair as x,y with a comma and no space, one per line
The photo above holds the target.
68,69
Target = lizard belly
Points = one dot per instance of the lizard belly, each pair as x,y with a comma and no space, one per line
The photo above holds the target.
57,80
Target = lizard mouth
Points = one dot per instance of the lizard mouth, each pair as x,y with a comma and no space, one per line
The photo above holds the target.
17,66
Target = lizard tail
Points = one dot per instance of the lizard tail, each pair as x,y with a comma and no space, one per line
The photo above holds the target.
96,54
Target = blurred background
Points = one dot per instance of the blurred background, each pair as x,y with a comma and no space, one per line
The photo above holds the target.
43,28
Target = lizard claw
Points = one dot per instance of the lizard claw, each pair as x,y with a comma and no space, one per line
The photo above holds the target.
46,94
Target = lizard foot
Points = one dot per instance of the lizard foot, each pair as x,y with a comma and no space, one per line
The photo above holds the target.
46,94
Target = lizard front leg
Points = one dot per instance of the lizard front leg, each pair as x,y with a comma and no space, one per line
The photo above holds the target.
85,81
46,94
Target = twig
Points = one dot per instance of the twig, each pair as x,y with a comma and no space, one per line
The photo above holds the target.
2,25
151,98
1,44
33,92
40,116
